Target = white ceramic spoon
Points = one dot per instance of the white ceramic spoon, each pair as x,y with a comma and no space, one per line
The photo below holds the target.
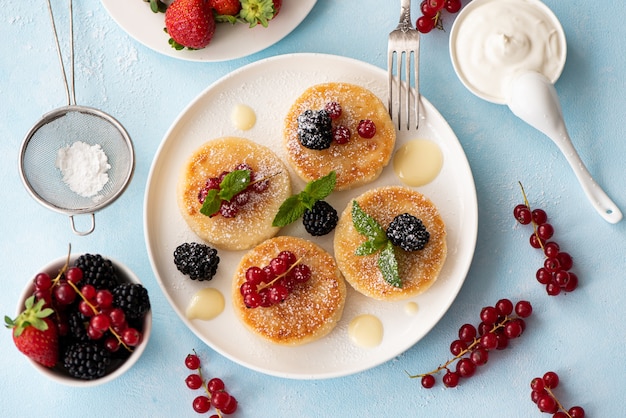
533,98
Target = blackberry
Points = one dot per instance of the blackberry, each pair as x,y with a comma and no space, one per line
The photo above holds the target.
198,261
408,232
315,130
97,271
321,219
86,360
132,298
78,326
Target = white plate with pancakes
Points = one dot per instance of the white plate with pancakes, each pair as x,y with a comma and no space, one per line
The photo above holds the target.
229,42
270,87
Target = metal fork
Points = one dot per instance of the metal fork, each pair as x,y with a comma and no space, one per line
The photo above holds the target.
404,43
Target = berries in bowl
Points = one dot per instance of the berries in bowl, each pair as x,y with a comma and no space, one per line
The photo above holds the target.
83,320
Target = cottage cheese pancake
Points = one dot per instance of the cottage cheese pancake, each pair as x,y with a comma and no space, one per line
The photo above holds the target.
356,162
253,222
418,269
312,308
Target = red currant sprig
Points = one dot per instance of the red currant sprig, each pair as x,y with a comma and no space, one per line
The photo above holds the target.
498,325
216,395
431,13
542,394
555,273
273,283
97,305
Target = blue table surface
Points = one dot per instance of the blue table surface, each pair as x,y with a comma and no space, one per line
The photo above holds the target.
579,335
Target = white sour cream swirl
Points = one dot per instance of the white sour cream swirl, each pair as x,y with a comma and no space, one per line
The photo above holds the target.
494,40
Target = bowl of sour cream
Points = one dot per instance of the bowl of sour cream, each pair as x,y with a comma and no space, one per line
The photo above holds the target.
493,41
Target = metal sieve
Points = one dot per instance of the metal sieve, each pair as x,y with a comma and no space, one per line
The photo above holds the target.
60,129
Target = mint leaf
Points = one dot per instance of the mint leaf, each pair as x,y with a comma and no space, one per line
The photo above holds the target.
294,206
368,226
234,182
211,204
291,209
388,265
367,248
320,189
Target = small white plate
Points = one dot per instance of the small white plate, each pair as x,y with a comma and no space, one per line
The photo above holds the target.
270,87
229,42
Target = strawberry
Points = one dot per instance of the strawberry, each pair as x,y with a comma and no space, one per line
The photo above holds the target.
34,334
225,7
190,23
259,11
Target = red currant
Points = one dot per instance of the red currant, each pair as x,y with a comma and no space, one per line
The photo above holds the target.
43,282
523,309
457,347
522,214
428,381
215,385
131,337
64,294
334,109
230,407
576,412
504,307
467,333
74,274
426,9
425,24
479,356
366,129
104,298
201,404
288,256
465,367
545,231
450,379
100,322
489,315
551,380
219,399
539,216
193,381
546,403
452,6
341,134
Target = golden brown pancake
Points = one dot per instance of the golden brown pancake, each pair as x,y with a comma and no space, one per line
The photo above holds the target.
311,310
253,223
357,162
418,269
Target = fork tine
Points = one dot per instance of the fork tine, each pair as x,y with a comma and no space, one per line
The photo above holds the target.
403,71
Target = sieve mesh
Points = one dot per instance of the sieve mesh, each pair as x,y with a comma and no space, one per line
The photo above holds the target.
61,128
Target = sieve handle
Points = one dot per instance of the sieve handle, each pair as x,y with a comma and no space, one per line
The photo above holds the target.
83,233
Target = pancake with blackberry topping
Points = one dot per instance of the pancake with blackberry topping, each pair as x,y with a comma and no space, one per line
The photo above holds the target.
418,269
321,134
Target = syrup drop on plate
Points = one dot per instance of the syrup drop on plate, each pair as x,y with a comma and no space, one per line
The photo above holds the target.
366,331
418,162
205,304
243,117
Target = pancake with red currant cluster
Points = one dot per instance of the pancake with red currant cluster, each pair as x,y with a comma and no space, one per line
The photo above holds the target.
298,299
341,127
418,268
246,219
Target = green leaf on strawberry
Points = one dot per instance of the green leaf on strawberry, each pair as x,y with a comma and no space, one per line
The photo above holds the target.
257,12
295,206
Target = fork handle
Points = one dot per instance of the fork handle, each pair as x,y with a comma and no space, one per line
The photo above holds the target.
405,16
